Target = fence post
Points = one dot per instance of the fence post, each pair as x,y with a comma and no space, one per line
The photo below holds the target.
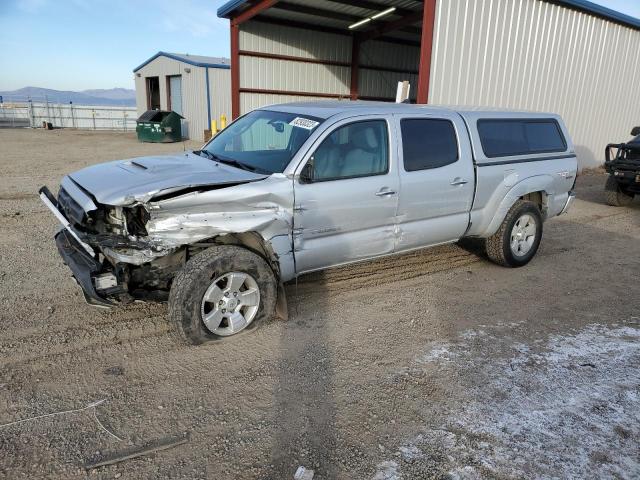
93,116
124,119
46,99
32,119
73,120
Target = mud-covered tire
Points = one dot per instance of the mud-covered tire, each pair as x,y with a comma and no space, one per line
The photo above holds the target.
195,278
614,195
498,246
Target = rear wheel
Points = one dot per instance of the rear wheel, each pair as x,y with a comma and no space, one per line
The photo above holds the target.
221,292
518,238
615,196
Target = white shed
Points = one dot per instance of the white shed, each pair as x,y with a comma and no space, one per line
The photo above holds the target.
196,87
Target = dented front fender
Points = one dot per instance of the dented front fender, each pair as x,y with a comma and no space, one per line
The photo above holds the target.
264,207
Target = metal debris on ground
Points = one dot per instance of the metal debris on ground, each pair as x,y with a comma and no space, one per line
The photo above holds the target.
303,473
156,446
92,405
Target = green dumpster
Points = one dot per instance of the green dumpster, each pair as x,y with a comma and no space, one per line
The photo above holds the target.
159,126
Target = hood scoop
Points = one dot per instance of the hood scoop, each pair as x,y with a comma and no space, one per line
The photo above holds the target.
136,164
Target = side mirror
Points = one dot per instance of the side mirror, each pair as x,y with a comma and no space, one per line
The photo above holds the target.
306,175
635,132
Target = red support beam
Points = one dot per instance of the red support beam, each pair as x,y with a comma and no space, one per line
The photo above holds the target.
296,93
235,71
426,48
247,14
355,66
293,58
252,11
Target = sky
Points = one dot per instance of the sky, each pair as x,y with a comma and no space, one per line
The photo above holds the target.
86,44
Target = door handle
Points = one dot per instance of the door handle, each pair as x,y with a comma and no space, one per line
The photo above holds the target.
385,193
459,181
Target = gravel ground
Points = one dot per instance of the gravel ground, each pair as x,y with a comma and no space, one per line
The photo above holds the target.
436,364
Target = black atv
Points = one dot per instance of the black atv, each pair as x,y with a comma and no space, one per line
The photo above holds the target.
624,171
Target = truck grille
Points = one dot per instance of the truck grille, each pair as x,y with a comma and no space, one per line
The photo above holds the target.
71,209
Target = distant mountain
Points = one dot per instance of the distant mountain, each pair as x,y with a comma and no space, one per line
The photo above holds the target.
107,97
113,93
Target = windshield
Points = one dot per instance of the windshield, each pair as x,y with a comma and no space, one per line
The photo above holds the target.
262,141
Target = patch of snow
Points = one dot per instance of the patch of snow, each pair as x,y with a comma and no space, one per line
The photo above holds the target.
410,452
464,473
566,408
439,351
387,470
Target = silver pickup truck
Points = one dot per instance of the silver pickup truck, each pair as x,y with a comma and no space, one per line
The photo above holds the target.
293,188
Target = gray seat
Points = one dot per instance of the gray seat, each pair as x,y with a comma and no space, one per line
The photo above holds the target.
327,162
363,158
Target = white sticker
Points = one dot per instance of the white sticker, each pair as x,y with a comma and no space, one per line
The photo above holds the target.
304,123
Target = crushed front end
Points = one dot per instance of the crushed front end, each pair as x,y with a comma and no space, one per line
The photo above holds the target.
122,246
104,248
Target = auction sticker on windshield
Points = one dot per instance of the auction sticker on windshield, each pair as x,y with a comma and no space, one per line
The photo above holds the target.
304,123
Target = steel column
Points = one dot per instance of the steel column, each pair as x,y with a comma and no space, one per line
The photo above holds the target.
426,48
235,71
355,66
248,14
206,71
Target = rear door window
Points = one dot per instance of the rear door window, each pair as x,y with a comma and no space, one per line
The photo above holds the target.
428,143
506,137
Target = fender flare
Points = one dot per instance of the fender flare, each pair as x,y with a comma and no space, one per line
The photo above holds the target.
538,183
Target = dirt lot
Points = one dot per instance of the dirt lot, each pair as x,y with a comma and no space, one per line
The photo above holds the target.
431,365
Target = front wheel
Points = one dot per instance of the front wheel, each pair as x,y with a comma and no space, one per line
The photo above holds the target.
614,194
518,238
221,292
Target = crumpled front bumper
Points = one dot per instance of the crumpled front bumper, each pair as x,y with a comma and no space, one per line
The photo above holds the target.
81,258
82,265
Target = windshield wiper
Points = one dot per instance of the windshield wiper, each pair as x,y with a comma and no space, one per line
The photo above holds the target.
236,163
205,153
230,161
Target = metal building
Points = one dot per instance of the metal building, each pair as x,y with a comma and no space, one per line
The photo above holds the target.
567,56
196,87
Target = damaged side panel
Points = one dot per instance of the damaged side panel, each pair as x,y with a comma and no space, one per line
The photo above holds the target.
264,207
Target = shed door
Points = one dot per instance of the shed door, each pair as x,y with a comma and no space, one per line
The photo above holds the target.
175,94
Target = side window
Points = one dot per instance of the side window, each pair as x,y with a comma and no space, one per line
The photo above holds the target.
428,143
356,150
544,137
501,138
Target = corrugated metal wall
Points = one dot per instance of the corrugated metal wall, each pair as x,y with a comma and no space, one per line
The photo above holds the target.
220,94
381,84
288,75
194,92
296,76
258,36
251,101
535,55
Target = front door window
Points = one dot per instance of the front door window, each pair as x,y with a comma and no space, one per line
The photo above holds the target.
359,149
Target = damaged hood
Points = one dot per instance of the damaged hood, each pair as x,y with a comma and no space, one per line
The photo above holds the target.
124,182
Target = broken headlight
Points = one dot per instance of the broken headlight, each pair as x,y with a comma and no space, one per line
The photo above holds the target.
115,221
136,218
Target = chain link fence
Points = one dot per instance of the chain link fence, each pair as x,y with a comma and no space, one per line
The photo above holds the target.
67,115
